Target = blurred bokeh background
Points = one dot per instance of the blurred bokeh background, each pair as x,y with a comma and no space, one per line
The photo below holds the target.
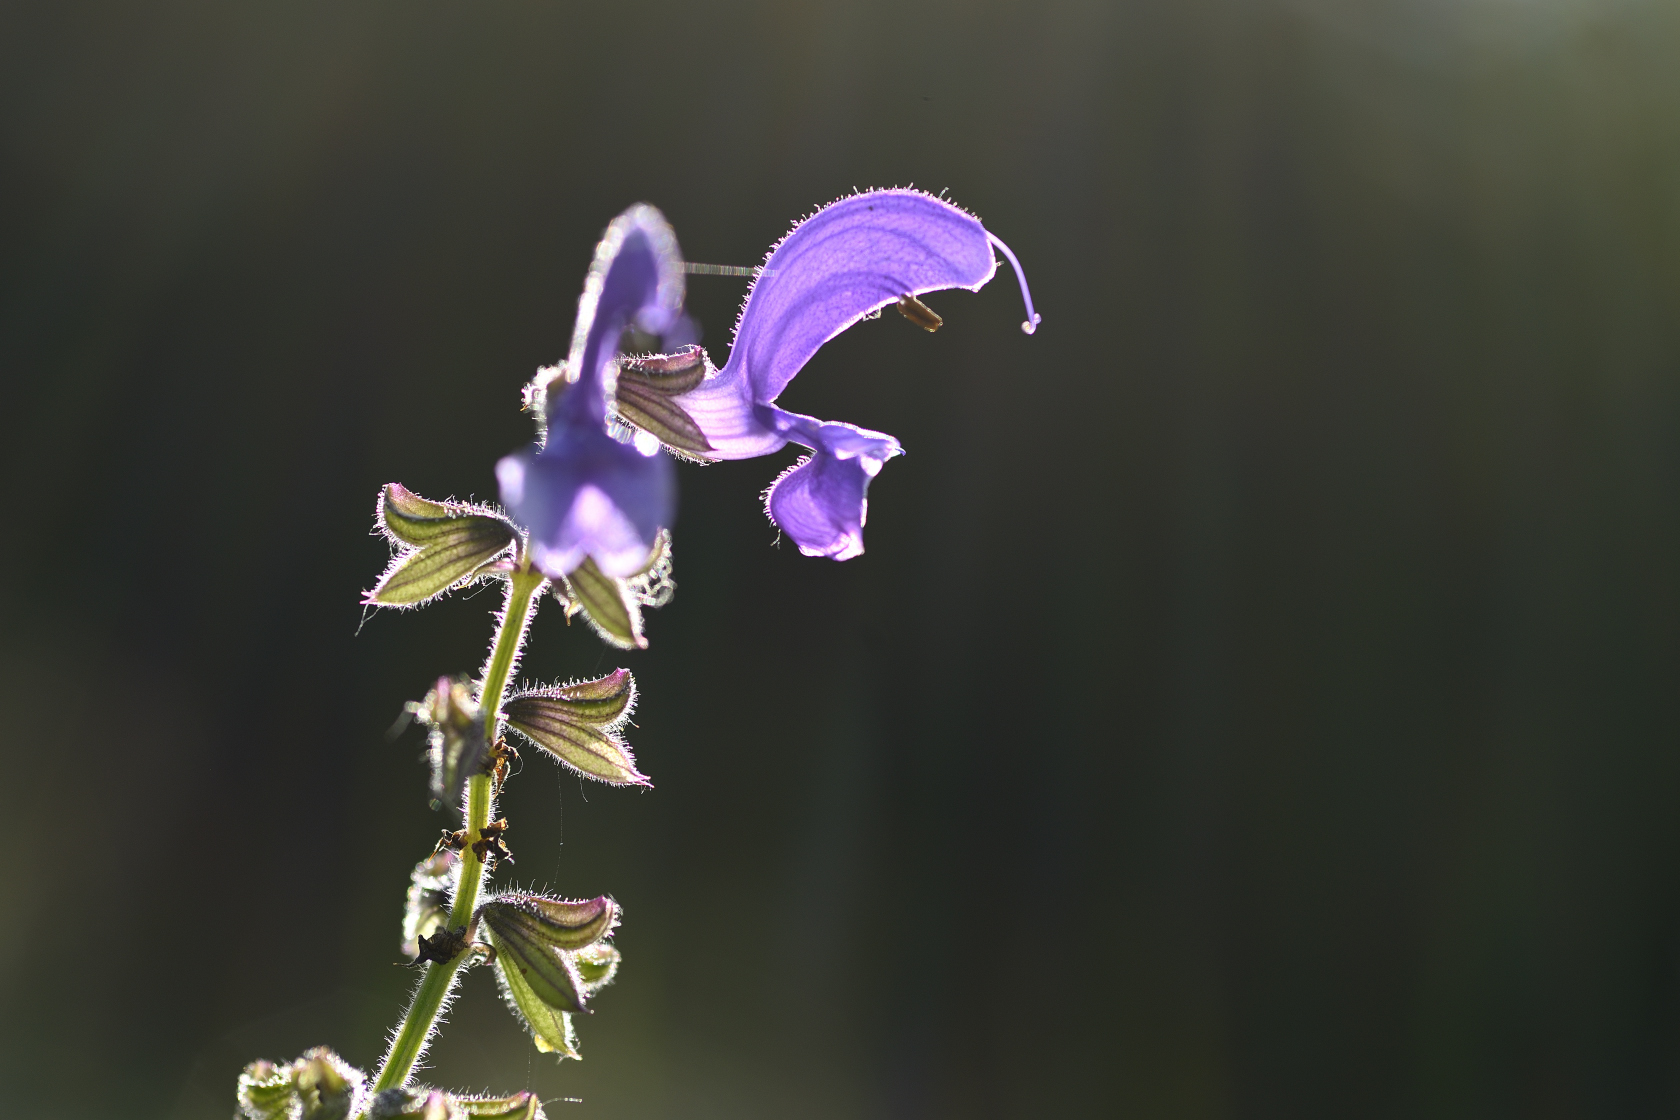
1259,697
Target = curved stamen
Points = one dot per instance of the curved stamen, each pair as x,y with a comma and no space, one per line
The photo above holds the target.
1033,317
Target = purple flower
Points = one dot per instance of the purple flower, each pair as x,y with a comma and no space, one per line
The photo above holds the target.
578,491
843,263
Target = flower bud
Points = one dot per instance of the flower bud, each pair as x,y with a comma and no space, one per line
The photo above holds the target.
579,725
597,965
266,1092
327,1085
440,545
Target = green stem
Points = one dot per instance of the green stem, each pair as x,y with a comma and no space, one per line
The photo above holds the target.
434,988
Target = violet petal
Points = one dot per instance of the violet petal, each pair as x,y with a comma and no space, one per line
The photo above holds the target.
585,494
822,501
845,262
579,492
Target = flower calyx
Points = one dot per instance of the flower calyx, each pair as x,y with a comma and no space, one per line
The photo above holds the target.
502,755
490,847
580,725
550,956
456,742
613,605
439,546
643,398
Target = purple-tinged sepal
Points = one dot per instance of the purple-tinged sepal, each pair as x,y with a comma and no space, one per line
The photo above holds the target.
645,399
438,546
543,948
581,725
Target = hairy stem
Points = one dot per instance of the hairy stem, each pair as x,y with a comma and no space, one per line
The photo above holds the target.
415,1032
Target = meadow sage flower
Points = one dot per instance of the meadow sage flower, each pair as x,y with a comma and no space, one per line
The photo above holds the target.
844,263
580,492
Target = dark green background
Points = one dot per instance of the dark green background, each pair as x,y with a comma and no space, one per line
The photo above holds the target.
1261,693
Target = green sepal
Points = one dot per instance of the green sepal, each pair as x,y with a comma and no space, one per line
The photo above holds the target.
520,1106
440,545
579,725
551,1029
603,702
411,519
608,604
318,1086
266,1092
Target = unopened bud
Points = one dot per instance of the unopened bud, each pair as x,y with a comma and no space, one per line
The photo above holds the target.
327,1085
266,1092
597,965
